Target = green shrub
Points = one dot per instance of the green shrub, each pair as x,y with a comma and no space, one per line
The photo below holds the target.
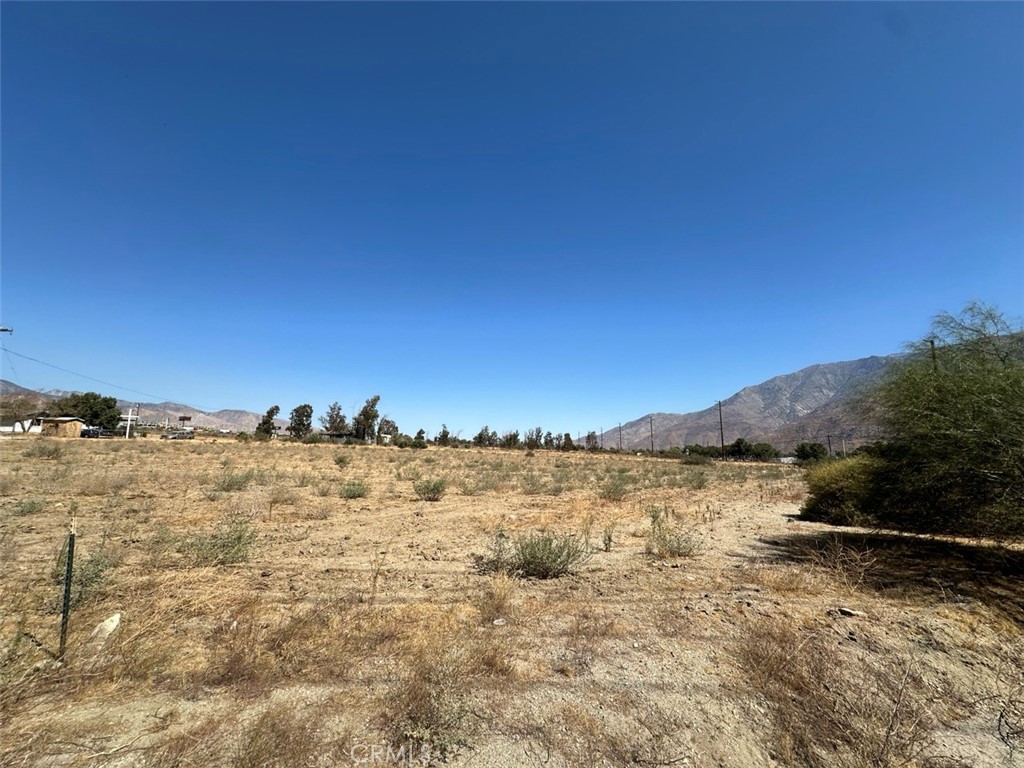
549,555
840,491
44,451
28,507
342,460
697,480
536,555
231,542
667,540
430,490
355,489
235,481
90,571
615,488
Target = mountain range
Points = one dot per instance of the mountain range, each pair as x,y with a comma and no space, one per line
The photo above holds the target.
812,404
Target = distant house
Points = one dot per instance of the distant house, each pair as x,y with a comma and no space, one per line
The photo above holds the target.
60,426
30,426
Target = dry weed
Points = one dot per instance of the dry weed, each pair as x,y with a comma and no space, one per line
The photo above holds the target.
833,711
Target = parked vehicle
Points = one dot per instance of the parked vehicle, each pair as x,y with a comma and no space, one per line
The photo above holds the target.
90,432
181,435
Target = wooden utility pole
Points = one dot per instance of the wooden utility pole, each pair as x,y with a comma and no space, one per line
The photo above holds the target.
652,434
829,444
721,427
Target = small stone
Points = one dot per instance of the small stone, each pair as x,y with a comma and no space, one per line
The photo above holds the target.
500,622
101,634
851,612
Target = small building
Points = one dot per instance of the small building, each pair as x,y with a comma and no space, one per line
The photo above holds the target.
61,426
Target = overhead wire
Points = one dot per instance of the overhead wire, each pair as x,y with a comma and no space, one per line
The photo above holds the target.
159,398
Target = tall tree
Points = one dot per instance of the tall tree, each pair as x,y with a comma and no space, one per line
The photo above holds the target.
334,422
301,421
266,428
365,422
95,409
444,437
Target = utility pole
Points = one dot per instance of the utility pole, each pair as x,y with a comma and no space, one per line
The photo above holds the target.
721,427
602,438
652,434
829,444
844,447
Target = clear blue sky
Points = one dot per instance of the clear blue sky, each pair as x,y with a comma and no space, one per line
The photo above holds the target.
564,215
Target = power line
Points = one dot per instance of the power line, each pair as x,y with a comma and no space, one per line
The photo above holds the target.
90,378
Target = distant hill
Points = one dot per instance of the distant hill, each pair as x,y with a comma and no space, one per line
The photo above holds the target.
785,410
158,413
10,389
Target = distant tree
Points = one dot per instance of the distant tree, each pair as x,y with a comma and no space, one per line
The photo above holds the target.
567,443
486,438
95,409
334,421
738,449
810,452
510,439
388,427
763,452
444,436
266,428
549,441
365,422
534,438
301,421
19,410
591,442
420,441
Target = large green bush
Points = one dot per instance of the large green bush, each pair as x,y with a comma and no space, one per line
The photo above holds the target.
840,491
953,459
954,413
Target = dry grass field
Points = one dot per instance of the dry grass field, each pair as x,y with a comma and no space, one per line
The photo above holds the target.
317,605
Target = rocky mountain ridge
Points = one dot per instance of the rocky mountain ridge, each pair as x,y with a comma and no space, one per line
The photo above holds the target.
809,404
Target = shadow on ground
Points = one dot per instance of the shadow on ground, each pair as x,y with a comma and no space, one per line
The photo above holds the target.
913,567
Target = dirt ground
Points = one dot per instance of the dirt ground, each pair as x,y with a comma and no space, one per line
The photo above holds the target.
303,605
